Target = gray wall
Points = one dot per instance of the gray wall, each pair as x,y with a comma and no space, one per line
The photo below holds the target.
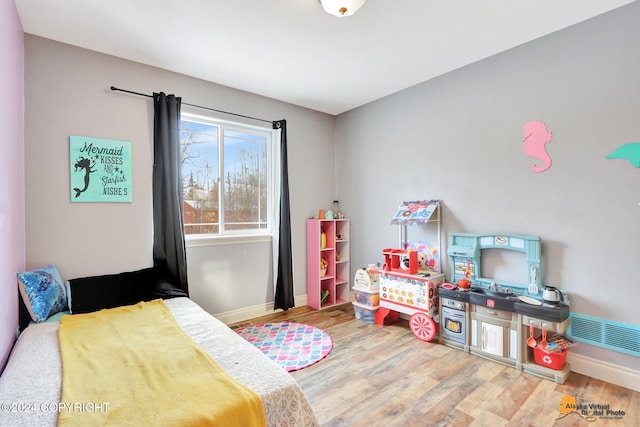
67,93
458,138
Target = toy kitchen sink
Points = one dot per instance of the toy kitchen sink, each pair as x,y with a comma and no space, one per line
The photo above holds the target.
493,298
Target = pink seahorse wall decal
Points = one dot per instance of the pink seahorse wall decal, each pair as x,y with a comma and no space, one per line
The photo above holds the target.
536,136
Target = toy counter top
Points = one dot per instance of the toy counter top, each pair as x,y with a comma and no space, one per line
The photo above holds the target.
554,313
421,275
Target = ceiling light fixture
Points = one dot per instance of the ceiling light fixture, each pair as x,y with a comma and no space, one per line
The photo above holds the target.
341,8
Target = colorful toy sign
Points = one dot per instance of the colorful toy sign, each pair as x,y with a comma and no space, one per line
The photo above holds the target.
414,212
100,170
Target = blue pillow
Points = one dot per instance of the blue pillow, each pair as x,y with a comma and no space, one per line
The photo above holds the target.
43,292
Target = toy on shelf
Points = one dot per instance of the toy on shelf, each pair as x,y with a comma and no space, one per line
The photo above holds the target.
428,254
323,239
400,260
324,296
465,283
323,267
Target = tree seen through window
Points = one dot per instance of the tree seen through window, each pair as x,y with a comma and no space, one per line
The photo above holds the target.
225,176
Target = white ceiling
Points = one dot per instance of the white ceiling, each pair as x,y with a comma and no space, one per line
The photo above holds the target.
291,50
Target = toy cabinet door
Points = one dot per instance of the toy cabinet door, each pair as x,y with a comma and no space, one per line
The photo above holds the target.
492,339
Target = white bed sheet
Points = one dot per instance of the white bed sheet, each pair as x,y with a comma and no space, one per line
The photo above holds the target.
30,385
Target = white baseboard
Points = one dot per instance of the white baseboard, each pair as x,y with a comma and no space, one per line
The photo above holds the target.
246,313
605,371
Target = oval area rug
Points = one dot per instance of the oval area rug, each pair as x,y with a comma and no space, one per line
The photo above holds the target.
292,345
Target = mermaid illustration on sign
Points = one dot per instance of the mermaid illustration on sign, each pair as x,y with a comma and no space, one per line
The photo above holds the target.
87,165
536,136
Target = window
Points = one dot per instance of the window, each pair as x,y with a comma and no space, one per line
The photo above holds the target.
226,177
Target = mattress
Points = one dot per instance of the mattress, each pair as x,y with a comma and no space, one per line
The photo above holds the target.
30,386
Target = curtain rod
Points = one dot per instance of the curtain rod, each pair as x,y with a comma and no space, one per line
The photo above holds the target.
193,105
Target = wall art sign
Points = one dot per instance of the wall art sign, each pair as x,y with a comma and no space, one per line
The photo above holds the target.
100,170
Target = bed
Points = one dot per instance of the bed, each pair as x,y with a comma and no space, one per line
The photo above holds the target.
31,384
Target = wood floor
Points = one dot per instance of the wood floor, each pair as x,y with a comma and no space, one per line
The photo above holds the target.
384,376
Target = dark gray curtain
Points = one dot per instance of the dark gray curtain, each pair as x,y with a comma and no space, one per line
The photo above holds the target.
168,225
284,282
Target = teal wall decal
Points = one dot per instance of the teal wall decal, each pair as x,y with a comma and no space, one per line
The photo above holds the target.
100,170
630,151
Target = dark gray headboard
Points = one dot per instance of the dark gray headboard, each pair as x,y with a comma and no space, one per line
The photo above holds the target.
23,314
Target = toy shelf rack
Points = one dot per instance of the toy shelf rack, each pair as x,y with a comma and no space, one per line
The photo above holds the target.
465,251
420,213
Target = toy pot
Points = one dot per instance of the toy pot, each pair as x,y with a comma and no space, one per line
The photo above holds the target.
464,284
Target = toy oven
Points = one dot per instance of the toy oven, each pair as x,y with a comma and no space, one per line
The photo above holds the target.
453,323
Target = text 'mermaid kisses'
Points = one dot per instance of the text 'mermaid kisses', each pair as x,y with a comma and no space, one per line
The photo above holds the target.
111,160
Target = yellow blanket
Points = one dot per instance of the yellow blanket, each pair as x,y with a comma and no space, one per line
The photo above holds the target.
135,366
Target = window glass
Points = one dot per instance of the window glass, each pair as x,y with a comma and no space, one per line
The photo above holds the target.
226,177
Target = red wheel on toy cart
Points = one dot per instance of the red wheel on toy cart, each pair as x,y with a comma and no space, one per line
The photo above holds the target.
423,326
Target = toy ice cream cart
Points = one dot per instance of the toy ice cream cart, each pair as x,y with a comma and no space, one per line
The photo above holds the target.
410,276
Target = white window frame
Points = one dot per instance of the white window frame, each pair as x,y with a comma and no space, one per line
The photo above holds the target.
235,236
